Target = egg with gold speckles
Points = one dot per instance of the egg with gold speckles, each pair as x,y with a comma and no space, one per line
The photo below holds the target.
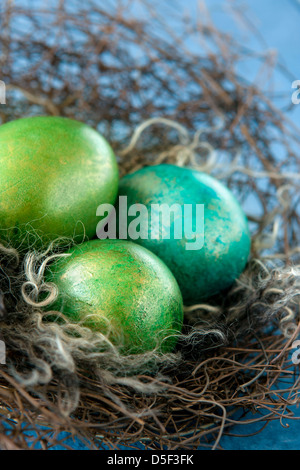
122,290
205,241
55,172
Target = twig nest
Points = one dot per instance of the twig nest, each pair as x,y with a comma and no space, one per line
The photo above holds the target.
122,290
54,174
205,242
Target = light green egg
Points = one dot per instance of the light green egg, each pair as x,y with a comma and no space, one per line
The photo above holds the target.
54,173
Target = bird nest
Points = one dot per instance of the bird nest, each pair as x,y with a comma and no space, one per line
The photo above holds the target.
156,99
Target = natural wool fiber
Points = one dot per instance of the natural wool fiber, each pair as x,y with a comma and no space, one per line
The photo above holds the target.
155,101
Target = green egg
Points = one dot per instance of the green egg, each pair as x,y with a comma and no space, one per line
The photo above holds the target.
208,258
54,173
122,290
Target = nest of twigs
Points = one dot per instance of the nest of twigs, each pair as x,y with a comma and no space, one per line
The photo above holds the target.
130,76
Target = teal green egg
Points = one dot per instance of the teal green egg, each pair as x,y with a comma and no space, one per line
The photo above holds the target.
212,251
122,290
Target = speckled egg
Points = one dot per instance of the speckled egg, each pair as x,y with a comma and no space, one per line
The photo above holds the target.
215,242
54,174
122,290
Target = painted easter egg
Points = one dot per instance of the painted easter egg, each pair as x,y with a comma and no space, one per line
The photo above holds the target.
54,174
122,290
191,221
